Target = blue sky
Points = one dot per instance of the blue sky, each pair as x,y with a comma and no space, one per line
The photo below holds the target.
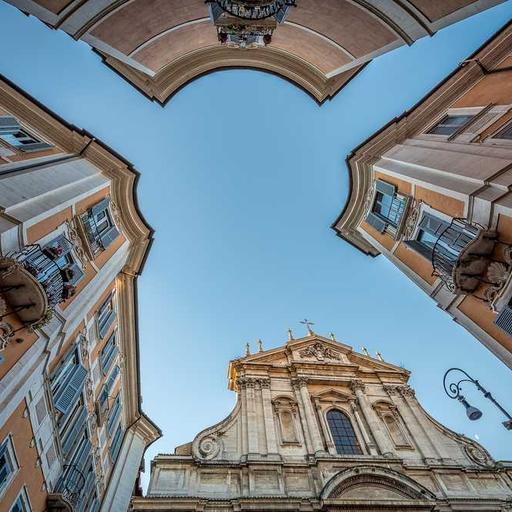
242,175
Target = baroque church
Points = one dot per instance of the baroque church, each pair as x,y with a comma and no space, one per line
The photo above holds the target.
319,427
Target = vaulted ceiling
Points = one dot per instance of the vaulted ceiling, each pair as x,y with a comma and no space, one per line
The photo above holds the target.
160,45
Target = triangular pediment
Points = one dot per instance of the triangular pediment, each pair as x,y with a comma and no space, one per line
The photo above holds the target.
314,350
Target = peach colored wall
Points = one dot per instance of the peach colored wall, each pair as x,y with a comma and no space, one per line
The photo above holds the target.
495,88
15,350
104,256
70,339
29,474
404,187
417,263
440,202
46,226
91,200
383,238
482,315
55,6
108,289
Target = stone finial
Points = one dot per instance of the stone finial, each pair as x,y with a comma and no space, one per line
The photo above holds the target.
365,351
260,345
290,335
379,356
247,350
332,335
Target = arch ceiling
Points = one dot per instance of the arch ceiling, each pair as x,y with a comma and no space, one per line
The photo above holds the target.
160,45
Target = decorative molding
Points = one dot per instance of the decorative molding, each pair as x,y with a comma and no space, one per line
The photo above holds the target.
357,385
320,352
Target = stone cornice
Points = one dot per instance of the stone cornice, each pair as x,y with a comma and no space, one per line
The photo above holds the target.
360,161
169,79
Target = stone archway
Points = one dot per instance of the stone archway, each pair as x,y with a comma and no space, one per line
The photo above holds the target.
369,488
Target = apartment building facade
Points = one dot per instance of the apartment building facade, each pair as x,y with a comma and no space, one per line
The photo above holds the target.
72,243
431,192
320,45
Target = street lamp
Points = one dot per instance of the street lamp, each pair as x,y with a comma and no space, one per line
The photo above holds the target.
454,391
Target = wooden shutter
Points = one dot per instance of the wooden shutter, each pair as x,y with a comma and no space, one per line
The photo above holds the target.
101,206
504,319
105,325
109,236
385,188
74,432
376,222
71,390
9,124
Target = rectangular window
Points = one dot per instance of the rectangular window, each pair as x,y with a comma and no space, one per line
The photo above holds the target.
388,208
17,137
67,383
21,504
106,316
115,414
60,251
108,353
450,124
505,133
8,464
99,226
430,228
115,446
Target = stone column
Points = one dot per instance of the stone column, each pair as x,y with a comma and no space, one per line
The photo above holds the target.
427,442
302,416
241,384
312,424
362,427
383,442
252,418
268,417
324,428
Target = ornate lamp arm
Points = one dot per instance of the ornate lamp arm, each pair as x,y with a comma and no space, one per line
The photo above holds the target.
453,390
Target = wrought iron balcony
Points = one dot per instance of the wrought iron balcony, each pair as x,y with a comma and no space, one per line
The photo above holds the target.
68,492
32,284
461,255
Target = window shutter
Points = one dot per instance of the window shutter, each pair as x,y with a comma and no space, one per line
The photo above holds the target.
70,392
99,207
116,443
425,251
104,327
376,222
74,433
504,320
385,188
34,146
114,415
433,225
109,236
9,124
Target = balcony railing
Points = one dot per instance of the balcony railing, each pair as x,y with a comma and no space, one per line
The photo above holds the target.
32,283
461,255
67,494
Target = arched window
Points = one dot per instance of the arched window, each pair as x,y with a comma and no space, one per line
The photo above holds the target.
342,433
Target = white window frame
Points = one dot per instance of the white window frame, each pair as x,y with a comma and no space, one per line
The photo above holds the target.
468,111
425,208
13,460
25,500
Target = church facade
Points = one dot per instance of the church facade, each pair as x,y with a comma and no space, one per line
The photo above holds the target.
319,427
